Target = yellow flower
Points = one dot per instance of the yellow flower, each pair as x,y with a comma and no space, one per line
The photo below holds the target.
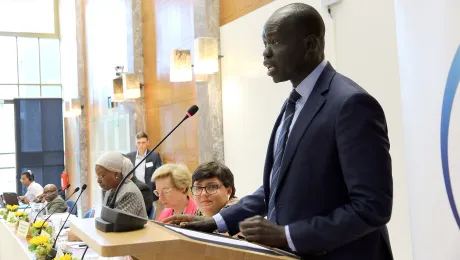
64,257
20,214
38,224
14,207
39,240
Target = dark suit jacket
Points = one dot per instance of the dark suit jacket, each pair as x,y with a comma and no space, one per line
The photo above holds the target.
155,159
335,187
147,193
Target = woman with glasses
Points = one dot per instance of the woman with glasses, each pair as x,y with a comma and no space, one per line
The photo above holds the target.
213,188
172,188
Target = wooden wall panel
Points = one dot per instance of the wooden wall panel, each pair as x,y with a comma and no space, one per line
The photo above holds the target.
168,25
233,9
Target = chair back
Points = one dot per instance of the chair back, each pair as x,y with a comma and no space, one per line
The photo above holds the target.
70,204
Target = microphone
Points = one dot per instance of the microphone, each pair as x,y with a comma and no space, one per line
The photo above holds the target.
191,112
53,248
75,191
60,193
113,220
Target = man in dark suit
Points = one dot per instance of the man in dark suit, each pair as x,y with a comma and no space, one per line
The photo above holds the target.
145,171
327,190
146,192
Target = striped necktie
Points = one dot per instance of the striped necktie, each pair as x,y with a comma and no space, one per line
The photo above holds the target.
279,151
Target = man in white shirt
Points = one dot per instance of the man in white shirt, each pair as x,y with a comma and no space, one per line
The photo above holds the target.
33,189
145,171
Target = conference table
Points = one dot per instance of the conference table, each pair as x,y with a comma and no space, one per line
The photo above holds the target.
14,247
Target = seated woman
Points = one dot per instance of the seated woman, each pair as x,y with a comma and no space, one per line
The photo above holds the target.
111,167
172,188
213,188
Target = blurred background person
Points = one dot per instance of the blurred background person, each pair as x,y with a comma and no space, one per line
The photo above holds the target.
34,189
55,203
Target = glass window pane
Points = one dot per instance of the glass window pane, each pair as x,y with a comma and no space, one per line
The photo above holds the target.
8,91
29,91
7,134
51,91
31,125
8,177
35,16
28,60
50,61
7,160
8,60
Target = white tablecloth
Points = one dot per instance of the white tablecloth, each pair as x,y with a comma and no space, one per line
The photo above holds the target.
12,247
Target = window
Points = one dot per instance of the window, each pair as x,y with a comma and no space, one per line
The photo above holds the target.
29,17
31,67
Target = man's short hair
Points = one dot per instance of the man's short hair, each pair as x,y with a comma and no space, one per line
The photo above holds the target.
215,170
142,135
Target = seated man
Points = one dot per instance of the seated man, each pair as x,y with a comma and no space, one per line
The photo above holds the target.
213,188
55,202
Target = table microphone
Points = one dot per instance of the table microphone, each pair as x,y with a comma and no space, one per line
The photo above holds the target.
60,193
191,112
75,191
114,220
53,248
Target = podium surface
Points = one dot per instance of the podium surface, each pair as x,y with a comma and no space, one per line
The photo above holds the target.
156,242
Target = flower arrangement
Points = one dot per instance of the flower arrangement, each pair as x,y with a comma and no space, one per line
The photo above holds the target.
35,228
40,246
66,257
9,208
12,208
22,216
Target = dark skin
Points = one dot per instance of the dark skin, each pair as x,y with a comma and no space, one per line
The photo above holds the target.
107,180
49,193
291,53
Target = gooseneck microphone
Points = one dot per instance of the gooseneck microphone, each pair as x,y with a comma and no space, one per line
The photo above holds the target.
60,193
53,248
115,220
191,112
75,191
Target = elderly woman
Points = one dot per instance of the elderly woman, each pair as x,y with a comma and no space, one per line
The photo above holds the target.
213,188
172,188
111,167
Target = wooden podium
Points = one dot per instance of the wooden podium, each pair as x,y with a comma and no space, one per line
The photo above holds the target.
156,242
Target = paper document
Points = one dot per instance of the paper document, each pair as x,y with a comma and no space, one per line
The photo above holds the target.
218,239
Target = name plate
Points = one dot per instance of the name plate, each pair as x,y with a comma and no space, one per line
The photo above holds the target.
10,215
23,229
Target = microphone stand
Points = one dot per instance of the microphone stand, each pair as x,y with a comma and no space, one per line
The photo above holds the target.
35,219
114,220
53,252
189,114
76,190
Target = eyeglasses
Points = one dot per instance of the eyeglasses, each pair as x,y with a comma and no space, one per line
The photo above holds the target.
163,191
210,189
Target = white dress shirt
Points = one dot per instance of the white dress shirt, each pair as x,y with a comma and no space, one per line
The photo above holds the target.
140,171
304,89
33,191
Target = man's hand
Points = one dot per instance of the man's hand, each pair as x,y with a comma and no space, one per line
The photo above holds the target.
23,200
259,230
204,224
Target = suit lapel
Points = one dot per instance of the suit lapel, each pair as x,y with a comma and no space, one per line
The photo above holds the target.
313,105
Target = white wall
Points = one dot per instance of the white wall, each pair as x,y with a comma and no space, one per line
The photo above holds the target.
360,43
428,38
366,51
